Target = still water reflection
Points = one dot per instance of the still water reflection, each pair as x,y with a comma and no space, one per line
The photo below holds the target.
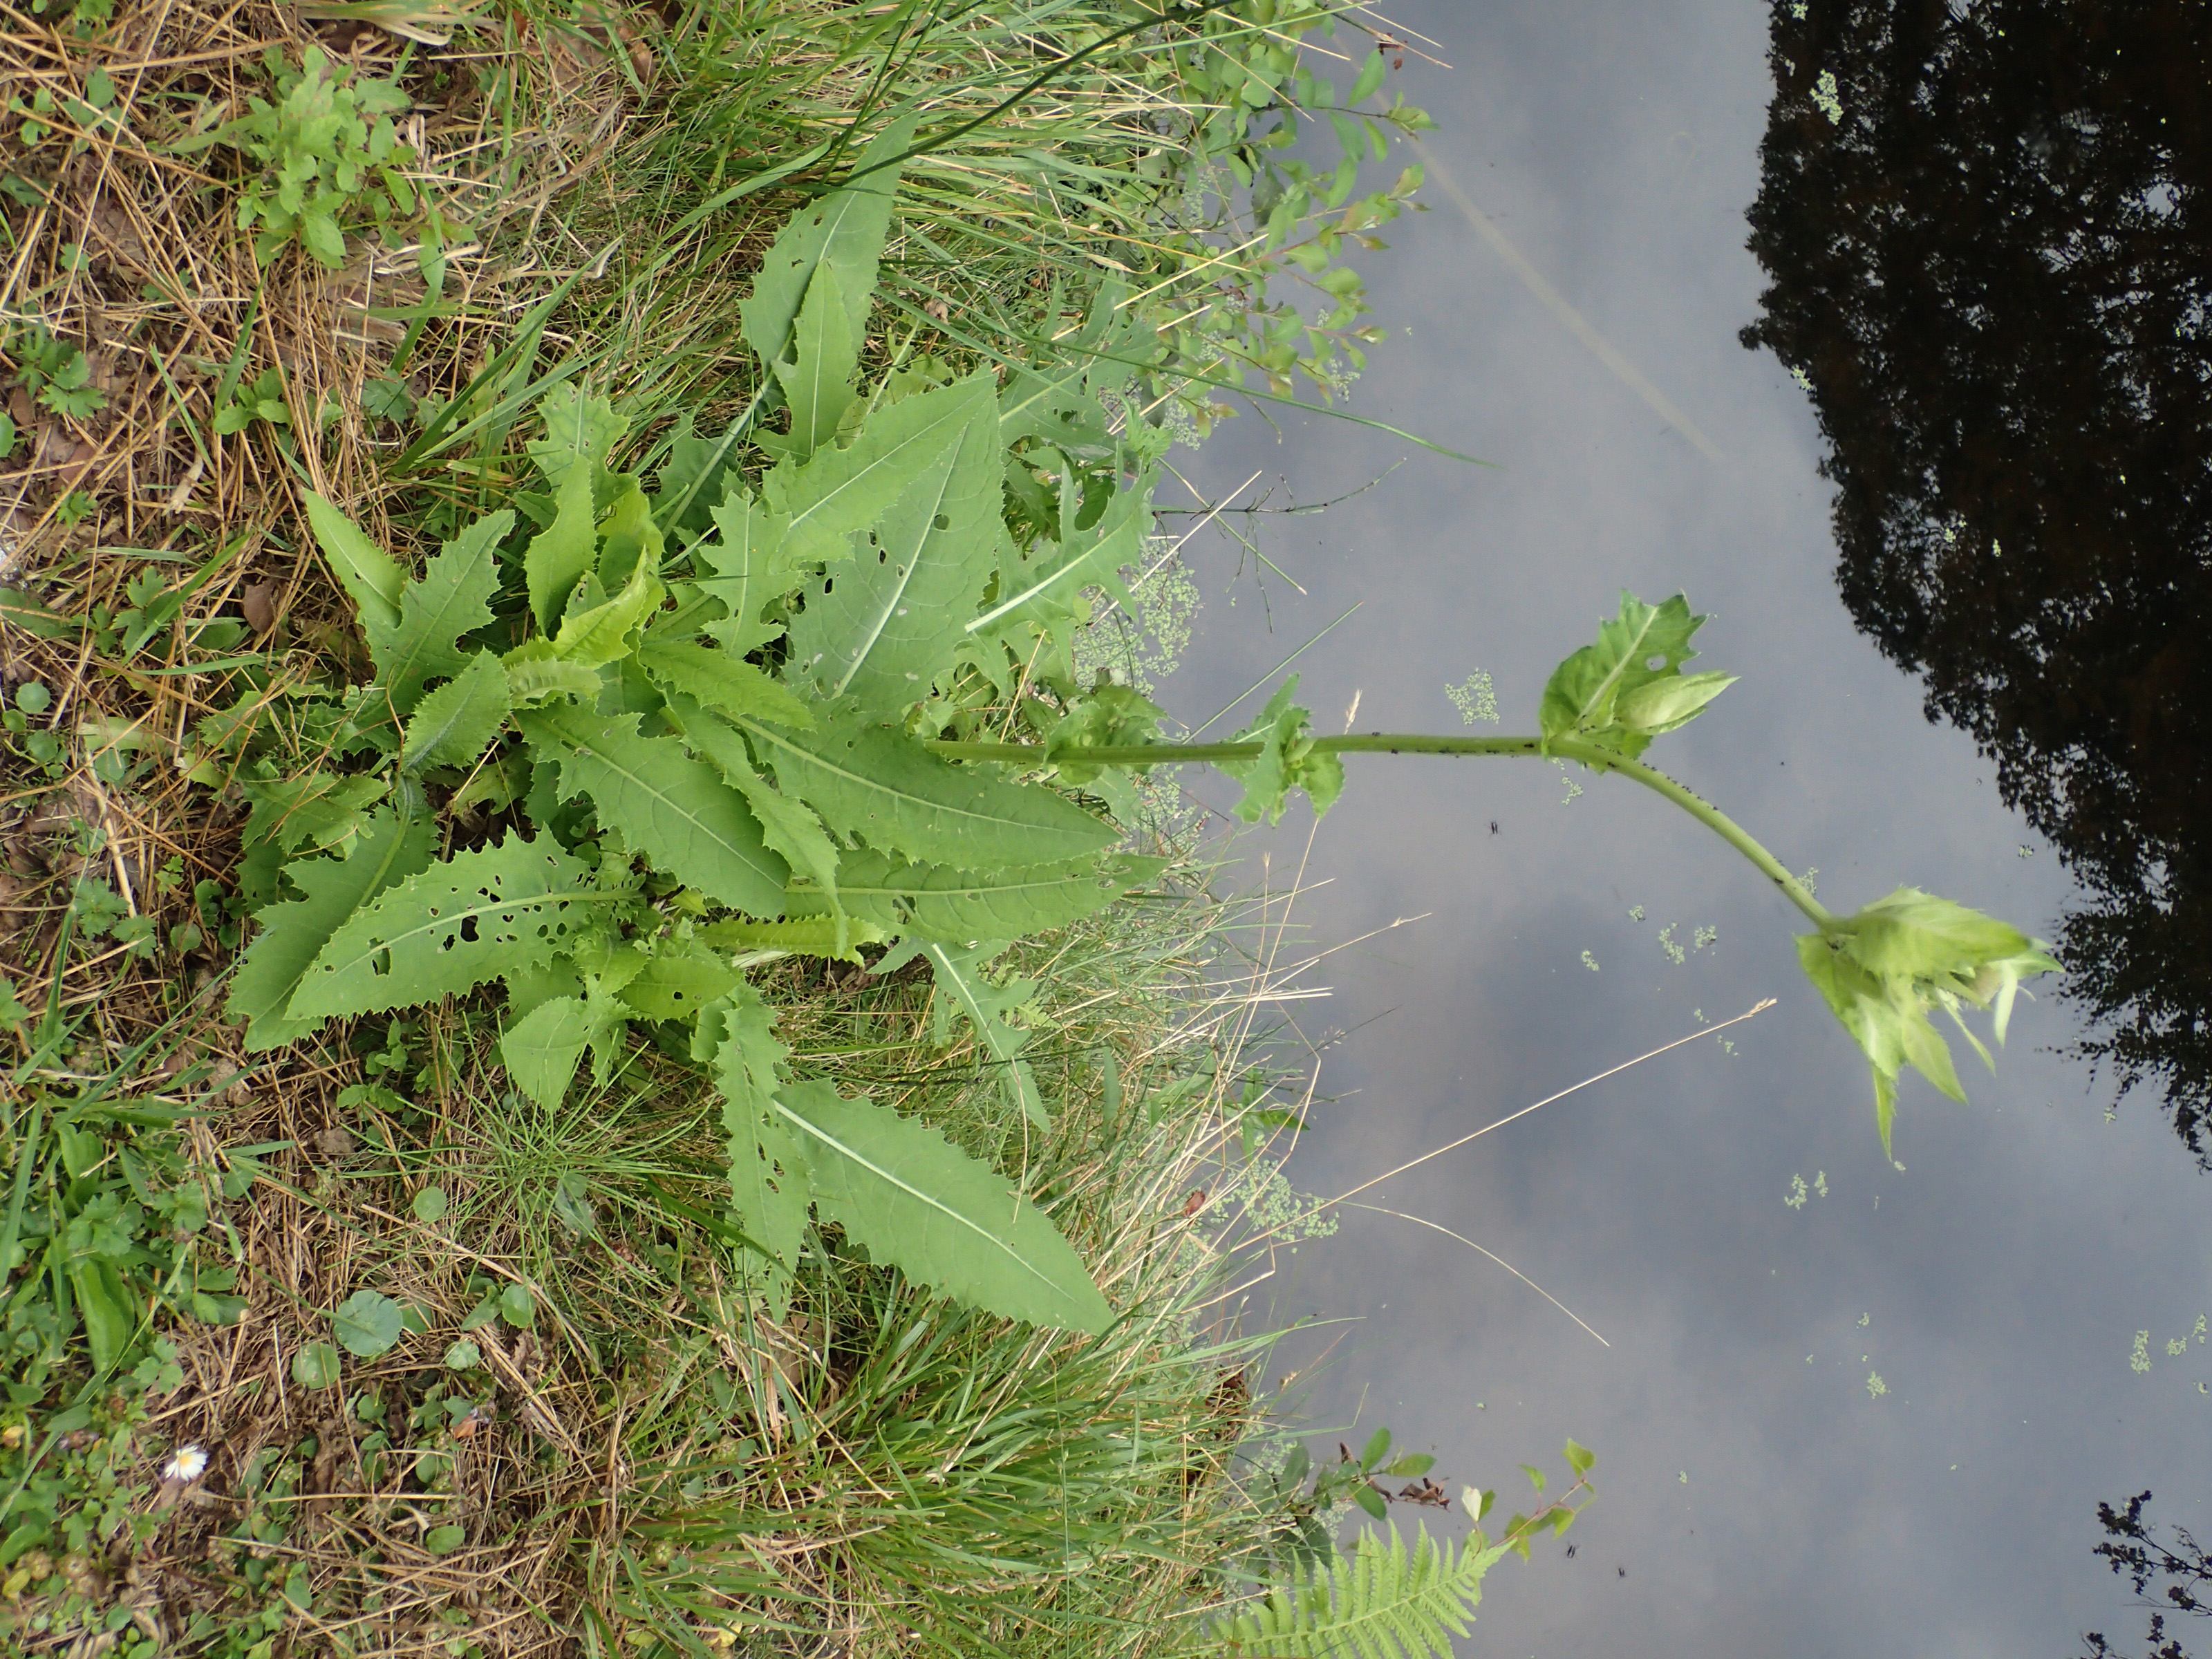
1992,256
1983,247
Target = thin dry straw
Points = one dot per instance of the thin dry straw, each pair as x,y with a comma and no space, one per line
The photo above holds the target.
1703,1032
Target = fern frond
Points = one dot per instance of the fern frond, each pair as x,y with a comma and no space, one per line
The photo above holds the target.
1384,1601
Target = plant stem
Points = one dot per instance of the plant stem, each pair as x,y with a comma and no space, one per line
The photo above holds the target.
1414,742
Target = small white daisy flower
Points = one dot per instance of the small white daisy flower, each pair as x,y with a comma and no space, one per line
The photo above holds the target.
187,1463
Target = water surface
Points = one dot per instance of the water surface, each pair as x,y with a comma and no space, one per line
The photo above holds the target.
1878,1421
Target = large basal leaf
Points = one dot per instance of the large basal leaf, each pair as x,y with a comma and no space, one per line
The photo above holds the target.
801,936
580,426
371,577
452,598
675,810
289,937
840,492
817,379
914,1201
770,1189
843,231
880,785
962,906
454,723
959,976
788,825
883,628
1628,688
473,918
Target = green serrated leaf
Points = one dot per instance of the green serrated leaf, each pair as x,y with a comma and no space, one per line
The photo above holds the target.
578,427
452,598
788,825
677,984
1039,587
289,937
533,671
879,785
961,906
314,813
478,915
597,635
629,538
724,681
559,554
770,1188
804,936
959,976
915,1201
1671,701
843,232
1644,645
817,379
452,725
748,556
674,809
1580,1458
842,492
1289,762
541,1049
1380,1601
371,576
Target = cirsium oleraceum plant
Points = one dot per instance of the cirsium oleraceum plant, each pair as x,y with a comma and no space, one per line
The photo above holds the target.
786,735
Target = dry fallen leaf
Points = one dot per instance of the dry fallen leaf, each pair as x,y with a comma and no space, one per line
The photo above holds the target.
259,604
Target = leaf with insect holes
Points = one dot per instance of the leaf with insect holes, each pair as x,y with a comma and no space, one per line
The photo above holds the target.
289,937
1628,687
802,936
476,917
676,984
452,598
769,1189
959,976
883,628
1883,971
580,426
876,784
816,378
371,577
915,1201
453,724
674,809
843,231
366,1324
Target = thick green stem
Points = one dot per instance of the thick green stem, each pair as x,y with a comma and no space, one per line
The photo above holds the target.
1414,742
